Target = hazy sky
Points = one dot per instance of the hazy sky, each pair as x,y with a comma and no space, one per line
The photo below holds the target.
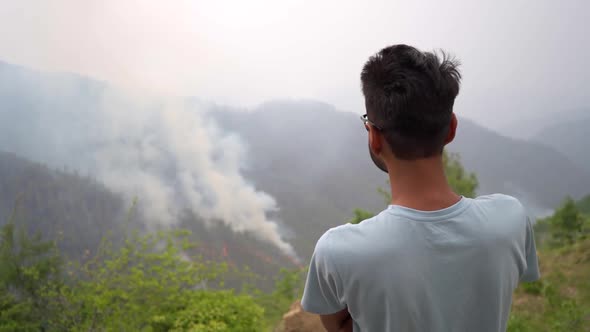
521,58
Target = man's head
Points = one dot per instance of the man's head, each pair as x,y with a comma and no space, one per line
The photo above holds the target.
409,97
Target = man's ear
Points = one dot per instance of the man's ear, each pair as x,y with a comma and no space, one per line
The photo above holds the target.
375,140
452,129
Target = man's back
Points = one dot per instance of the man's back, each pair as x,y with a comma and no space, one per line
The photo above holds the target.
406,270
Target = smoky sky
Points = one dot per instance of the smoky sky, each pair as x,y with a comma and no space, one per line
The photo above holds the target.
521,59
166,155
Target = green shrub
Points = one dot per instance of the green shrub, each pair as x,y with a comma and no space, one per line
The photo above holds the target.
535,287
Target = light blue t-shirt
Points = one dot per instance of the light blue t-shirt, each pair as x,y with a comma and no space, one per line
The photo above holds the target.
407,270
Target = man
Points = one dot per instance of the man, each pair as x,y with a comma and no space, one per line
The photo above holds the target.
433,260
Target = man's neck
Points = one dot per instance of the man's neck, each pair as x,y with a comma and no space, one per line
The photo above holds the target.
421,184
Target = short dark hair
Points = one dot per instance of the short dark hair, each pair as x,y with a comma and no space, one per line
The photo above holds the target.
410,94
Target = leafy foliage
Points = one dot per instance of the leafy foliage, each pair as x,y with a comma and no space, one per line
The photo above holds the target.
149,283
566,223
115,287
360,215
462,182
566,226
29,267
288,288
211,311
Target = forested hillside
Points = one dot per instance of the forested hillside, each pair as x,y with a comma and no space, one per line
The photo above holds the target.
78,212
74,209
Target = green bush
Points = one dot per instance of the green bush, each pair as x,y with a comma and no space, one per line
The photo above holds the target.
517,323
218,311
535,287
150,283
29,268
463,182
567,223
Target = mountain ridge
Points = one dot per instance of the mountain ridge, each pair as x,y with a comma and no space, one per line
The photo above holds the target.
570,137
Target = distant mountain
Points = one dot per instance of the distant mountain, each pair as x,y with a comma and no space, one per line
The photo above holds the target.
528,126
540,175
569,137
41,107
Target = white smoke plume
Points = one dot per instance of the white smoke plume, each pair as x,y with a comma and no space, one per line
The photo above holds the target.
167,154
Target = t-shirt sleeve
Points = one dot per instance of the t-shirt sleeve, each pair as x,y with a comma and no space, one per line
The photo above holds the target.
531,273
323,285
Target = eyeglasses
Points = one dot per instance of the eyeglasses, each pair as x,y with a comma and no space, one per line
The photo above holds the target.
365,120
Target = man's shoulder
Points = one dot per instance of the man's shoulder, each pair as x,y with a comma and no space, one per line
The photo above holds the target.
334,235
503,210
347,241
347,231
497,197
500,200
336,241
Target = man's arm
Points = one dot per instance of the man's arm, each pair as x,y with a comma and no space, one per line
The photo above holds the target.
323,289
337,322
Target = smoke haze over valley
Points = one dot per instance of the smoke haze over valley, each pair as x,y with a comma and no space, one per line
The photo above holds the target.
275,171
246,116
